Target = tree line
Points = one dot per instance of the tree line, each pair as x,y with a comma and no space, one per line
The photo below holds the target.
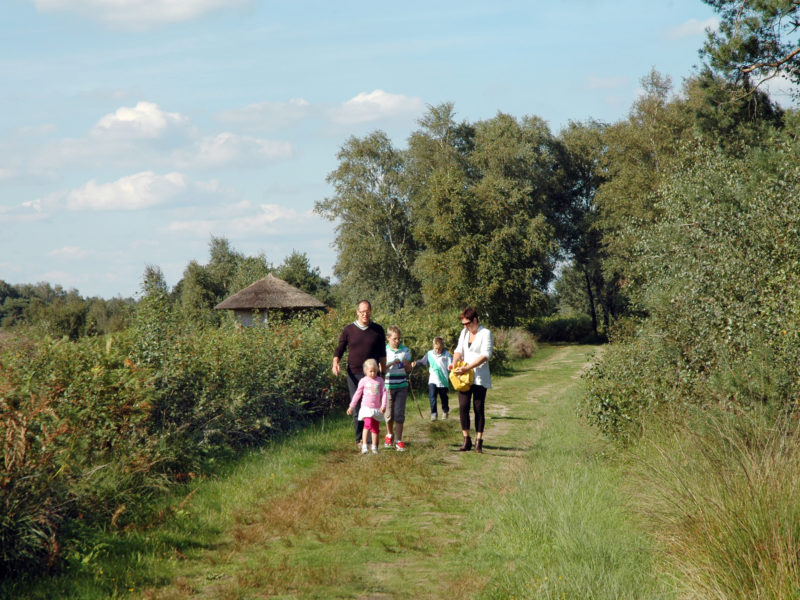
66,313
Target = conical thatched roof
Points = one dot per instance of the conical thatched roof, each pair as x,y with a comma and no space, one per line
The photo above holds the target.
269,292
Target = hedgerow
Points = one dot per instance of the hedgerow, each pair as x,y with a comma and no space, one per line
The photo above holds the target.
93,429
716,279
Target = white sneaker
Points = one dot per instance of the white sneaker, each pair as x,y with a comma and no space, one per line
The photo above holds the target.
374,449
433,416
444,415
364,449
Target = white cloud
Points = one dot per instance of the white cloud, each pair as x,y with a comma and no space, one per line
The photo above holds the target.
268,116
228,149
69,253
376,105
262,220
692,28
605,83
147,137
144,121
138,14
134,192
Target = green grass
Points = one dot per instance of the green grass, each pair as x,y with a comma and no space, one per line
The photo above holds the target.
541,514
721,492
565,530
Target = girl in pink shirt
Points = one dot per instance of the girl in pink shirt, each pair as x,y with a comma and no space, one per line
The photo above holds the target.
372,393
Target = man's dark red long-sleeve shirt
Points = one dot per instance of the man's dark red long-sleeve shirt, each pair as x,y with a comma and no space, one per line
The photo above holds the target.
361,344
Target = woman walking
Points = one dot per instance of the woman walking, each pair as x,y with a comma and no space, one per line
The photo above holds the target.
475,348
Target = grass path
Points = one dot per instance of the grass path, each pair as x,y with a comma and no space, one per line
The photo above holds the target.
540,514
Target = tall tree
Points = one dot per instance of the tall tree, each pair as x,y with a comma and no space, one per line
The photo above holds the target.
756,40
480,210
581,168
373,233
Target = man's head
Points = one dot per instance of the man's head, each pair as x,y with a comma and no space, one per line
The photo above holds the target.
364,311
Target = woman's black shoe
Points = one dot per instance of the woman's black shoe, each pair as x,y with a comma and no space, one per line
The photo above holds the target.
479,445
467,445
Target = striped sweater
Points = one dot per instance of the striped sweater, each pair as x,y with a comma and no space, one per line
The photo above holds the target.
396,373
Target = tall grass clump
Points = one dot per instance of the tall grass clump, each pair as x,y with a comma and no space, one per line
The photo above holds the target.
721,493
518,343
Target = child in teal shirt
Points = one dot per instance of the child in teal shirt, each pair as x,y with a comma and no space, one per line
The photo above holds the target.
439,362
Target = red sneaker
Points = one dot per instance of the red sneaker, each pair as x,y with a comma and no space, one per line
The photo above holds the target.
387,441
400,446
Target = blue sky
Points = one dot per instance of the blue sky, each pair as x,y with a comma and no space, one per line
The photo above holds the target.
133,130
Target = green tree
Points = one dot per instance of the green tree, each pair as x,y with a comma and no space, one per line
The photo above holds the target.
481,204
297,271
64,316
249,269
204,286
200,292
581,162
153,281
373,233
222,267
755,40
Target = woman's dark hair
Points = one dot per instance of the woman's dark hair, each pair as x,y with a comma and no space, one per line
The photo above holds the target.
469,313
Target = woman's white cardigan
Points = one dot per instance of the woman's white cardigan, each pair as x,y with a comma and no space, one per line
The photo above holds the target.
482,345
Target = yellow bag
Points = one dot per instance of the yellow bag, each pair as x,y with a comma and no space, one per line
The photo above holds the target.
462,382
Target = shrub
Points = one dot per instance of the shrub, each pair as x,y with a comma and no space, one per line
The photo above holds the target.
563,328
93,429
716,281
518,342
74,419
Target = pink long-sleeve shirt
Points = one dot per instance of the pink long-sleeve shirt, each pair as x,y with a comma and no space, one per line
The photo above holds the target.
371,392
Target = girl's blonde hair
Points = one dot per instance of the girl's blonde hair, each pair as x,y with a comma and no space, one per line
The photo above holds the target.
437,341
394,329
370,363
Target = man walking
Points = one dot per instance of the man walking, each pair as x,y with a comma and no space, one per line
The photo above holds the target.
362,339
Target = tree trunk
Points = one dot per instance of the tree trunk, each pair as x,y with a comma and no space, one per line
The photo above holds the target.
591,298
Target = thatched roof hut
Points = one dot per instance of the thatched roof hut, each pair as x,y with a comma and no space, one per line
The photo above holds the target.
252,304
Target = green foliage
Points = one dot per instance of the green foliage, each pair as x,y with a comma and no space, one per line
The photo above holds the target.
716,278
204,286
73,418
755,39
464,216
480,201
371,208
93,429
60,313
296,270
563,328
587,284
